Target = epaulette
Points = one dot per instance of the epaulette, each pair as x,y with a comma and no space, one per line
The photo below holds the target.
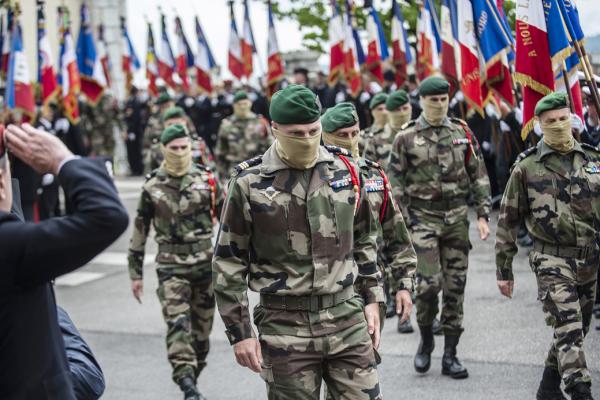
338,150
152,174
459,121
238,169
587,146
408,124
372,164
524,155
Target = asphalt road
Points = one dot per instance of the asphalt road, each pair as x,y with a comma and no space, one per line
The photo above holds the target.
504,343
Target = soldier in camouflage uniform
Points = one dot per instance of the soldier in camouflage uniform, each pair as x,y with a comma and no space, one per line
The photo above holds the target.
398,110
395,254
105,117
200,152
555,188
297,228
155,127
179,200
435,165
241,136
377,108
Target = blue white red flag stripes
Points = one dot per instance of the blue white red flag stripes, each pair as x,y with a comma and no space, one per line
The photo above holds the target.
68,73
235,59
351,66
275,70
203,61
470,76
129,60
401,54
19,91
450,65
336,44
247,43
46,70
151,62
376,45
428,41
164,55
92,76
184,57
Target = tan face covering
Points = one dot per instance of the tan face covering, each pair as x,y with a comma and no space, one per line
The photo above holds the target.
434,112
344,142
399,117
297,152
558,135
380,118
241,109
176,163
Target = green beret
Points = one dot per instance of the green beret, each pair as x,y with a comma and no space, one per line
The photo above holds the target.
241,95
163,98
396,99
554,101
295,104
434,85
341,116
173,132
378,99
173,112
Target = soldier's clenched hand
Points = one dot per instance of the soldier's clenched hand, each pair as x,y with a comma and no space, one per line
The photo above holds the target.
404,305
248,354
137,287
42,151
506,288
484,228
372,316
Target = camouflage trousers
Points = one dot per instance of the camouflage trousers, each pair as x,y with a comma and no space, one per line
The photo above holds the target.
295,366
567,289
188,307
442,262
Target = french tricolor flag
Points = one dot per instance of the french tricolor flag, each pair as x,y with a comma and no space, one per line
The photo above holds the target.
68,73
429,42
46,72
184,57
470,82
533,64
401,54
164,55
377,49
235,56
93,80
19,92
129,60
247,43
351,63
275,70
336,44
450,47
204,61
151,63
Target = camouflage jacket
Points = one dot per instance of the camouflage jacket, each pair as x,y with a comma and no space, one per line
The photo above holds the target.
366,136
378,145
239,140
153,130
182,212
394,247
439,165
558,197
295,233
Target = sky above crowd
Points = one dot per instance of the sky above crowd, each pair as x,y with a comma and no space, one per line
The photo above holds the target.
214,17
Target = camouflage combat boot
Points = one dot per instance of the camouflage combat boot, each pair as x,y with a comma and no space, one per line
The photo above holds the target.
188,387
550,386
423,356
581,391
451,366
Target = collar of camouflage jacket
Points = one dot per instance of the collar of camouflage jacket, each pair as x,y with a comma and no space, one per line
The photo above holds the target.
178,182
423,124
544,150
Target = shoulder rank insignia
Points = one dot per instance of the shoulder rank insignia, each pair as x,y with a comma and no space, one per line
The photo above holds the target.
374,185
590,147
459,121
338,150
592,169
340,183
461,141
246,164
408,124
525,154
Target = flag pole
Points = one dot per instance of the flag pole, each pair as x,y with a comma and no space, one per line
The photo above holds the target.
588,73
569,93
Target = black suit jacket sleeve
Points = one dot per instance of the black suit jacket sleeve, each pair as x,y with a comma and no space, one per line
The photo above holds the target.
57,246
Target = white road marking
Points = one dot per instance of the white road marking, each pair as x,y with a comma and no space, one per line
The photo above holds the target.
118,258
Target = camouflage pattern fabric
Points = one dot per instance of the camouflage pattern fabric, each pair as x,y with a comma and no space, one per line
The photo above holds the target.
558,197
188,306
432,172
288,232
106,118
378,145
239,140
295,366
366,136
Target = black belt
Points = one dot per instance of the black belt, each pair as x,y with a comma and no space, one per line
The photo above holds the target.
184,248
437,205
563,251
306,303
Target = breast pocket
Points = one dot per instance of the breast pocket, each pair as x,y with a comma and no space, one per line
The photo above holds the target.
418,153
